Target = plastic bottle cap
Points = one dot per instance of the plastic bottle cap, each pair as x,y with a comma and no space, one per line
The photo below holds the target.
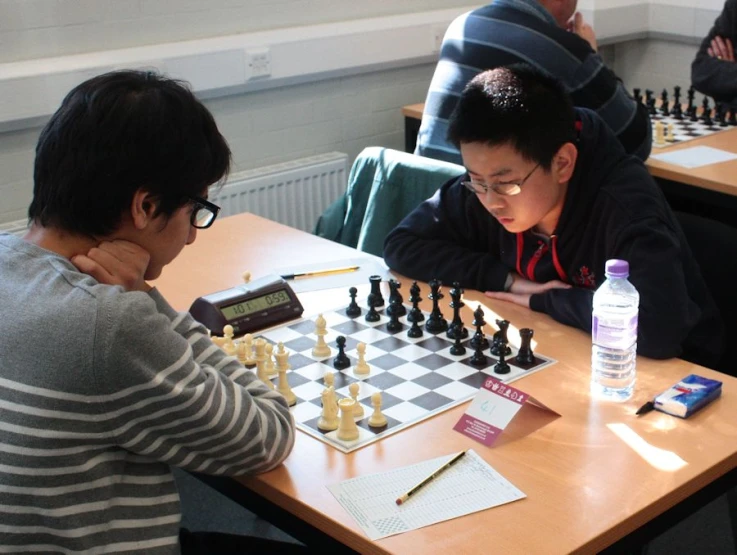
617,268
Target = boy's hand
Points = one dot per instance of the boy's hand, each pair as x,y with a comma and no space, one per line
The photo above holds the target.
721,49
522,289
116,262
578,26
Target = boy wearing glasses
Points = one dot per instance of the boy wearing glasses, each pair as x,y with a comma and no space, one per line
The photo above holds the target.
103,386
548,197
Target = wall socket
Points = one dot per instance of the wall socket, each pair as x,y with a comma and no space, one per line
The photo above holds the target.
259,60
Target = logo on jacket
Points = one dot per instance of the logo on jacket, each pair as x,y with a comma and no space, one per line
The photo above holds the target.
585,278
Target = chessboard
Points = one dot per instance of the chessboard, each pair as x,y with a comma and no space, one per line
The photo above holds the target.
417,377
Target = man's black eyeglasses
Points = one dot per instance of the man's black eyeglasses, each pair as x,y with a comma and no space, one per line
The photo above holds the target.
203,213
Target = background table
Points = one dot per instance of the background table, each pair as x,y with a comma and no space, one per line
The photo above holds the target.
586,488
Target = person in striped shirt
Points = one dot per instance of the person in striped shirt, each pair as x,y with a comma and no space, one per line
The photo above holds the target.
547,34
103,386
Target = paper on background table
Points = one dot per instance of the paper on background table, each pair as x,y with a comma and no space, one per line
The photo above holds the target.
468,486
696,156
368,267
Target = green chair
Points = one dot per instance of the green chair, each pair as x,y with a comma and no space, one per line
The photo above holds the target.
383,187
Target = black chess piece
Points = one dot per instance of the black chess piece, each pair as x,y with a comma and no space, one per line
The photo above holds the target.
416,330
664,106
456,328
677,94
525,356
435,322
394,325
732,120
457,349
720,111
502,367
500,341
478,358
638,97
677,110
395,299
648,96
651,107
706,112
341,361
376,290
372,315
479,339
415,314
353,309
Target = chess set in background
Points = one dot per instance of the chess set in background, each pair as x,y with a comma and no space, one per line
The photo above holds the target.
674,122
390,367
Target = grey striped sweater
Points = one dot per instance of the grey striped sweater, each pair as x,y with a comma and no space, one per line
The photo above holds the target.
100,391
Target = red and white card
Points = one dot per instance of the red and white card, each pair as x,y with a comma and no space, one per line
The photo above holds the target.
491,411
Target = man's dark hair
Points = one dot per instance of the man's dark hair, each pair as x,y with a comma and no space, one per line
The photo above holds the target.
515,105
114,134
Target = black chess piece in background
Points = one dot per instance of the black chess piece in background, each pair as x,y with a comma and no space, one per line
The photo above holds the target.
416,330
478,358
500,341
435,322
415,314
372,315
457,349
706,112
677,110
651,107
637,94
525,355
394,324
502,367
720,112
341,361
479,339
456,328
353,309
664,107
376,290
395,299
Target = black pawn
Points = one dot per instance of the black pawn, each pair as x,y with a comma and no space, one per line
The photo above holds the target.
500,342
479,339
341,361
651,107
416,330
664,106
376,290
353,309
637,95
435,322
501,367
457,349
394,324
677,94
415,314
706,112
525,355
395,299
721,114
372,315
456,328
691,94
478,358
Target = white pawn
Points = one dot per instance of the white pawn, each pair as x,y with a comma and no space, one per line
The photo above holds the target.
246,277
329,417
228,344
362,367
270,368
347,430
260,348
282,366
321,349
659,133
377,420
247,342
358,407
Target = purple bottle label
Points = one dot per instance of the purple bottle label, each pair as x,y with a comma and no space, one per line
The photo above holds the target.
614,332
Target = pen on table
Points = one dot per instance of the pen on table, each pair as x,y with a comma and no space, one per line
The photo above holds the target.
644,409
403,498
315,273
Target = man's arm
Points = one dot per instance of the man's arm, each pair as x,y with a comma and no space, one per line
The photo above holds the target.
447,238
711,73
666,315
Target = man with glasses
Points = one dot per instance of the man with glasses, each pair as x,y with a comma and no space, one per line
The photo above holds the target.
549,196
103,386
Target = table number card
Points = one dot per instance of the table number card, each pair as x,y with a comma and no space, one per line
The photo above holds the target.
491,411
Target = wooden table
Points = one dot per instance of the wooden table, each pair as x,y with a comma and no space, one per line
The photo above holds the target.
586,488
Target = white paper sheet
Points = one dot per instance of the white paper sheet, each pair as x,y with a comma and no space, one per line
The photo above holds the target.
696,156
470,485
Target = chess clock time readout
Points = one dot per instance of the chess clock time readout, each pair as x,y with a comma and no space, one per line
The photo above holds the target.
255,304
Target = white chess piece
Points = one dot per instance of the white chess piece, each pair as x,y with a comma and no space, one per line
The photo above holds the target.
259,346
329,417
347,429
282,366
228,345
358,407
669,135
321,348
659,138
270,368
377,419
362,368
247,342
246,277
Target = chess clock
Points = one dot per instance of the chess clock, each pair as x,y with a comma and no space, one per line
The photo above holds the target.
250,307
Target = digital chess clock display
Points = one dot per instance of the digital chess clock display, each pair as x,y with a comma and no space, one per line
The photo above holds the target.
256,304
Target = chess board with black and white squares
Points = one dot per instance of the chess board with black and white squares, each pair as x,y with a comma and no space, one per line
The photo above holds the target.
417,377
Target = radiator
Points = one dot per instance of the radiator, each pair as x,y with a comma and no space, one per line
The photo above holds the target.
294,193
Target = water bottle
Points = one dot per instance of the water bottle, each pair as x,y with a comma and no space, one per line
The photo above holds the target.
614,334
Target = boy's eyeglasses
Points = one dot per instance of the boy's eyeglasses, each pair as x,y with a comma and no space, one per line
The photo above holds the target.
505,189
203,213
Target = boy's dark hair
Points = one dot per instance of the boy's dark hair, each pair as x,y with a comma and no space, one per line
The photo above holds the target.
114,134
515,105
